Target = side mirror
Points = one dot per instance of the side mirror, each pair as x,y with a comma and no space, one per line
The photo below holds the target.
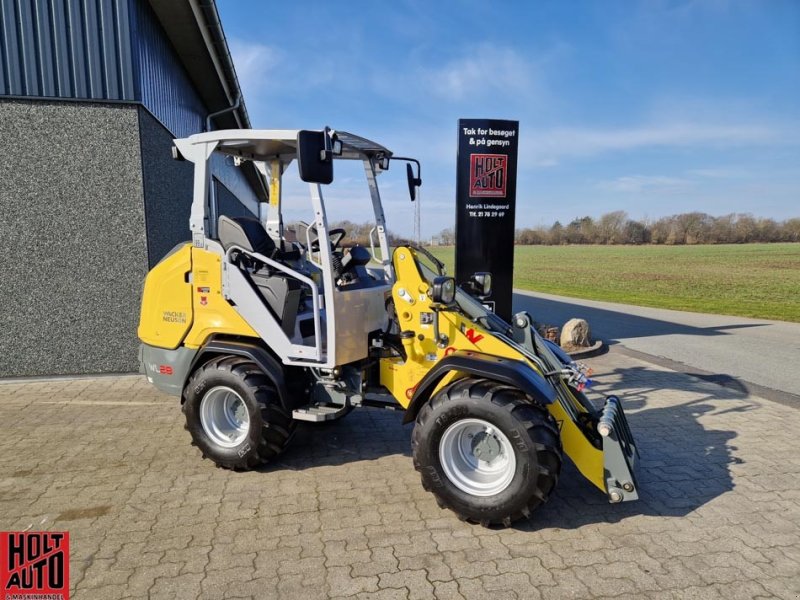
443,290
314,156
480,285
413,182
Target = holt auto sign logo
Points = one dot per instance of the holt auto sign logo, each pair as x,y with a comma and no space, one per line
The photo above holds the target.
488,175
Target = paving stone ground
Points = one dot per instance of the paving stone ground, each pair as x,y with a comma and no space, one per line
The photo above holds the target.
343,515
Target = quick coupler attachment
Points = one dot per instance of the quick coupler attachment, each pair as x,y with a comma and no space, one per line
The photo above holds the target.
619,452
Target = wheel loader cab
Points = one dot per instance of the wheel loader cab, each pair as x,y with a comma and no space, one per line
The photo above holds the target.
358,292
312,303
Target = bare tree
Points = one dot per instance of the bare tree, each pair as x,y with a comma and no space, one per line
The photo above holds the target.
447,237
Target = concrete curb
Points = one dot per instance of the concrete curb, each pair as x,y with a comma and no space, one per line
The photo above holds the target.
66,378
595,349
767,393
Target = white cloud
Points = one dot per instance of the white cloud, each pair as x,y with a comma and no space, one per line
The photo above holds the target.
644,183
253,62
545,162
720,173
486,70
546,148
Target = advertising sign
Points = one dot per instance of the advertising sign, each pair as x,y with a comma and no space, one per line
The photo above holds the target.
486,193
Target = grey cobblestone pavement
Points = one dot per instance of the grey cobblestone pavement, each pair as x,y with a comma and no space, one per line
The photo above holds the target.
343,514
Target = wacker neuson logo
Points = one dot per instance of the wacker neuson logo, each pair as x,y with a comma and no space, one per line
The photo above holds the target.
171,316
487,175
34,565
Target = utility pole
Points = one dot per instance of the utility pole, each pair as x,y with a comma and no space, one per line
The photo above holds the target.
417,233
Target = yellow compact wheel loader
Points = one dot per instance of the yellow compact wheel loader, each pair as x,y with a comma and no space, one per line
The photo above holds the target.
256,325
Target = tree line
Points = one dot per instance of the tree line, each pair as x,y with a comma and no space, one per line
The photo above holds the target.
687,228
617,228
359,234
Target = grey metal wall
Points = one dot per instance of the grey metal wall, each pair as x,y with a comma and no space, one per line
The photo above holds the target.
234,180
167,189
104,50
228,203
72,237
163,85
166,91
96,49
66,49
102,200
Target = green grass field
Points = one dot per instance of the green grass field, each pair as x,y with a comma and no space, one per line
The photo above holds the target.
750,280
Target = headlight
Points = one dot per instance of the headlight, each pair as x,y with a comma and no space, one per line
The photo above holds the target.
444,290
479,285
483,282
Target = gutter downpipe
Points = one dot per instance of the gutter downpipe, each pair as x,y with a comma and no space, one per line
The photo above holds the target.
231,108
199,17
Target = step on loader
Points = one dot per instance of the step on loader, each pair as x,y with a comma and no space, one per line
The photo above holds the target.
256,324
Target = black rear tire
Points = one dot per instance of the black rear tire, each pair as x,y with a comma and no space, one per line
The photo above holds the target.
270,427
529,430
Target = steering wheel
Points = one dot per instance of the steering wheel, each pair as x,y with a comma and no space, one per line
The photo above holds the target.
336,235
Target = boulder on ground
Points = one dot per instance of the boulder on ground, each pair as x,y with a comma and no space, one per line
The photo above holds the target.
575,333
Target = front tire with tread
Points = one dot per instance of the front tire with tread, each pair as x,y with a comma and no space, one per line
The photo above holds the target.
270,426
529,428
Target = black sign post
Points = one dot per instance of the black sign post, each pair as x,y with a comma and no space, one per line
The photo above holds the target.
486,194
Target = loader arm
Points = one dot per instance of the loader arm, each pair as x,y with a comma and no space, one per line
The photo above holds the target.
470,346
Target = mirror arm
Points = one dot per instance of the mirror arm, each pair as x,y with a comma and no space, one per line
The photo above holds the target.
326,152
418,179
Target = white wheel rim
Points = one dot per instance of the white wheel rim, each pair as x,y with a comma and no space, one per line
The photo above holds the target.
224,416
477,457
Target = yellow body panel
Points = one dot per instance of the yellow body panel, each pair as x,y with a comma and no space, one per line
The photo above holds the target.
212,313
410,294
181,310
167,313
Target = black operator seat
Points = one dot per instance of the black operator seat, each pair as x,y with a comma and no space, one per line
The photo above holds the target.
281,292
247,232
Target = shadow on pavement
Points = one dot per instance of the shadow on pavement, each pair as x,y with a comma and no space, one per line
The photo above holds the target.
610,325
364,434
683,464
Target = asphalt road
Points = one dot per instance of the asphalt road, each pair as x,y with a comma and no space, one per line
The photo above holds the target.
762,355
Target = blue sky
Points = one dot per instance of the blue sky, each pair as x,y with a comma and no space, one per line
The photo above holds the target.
654,107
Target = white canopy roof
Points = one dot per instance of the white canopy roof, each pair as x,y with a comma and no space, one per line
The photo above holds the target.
260,144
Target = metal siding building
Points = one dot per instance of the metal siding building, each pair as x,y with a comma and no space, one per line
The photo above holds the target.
67,49
163,85
92,92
